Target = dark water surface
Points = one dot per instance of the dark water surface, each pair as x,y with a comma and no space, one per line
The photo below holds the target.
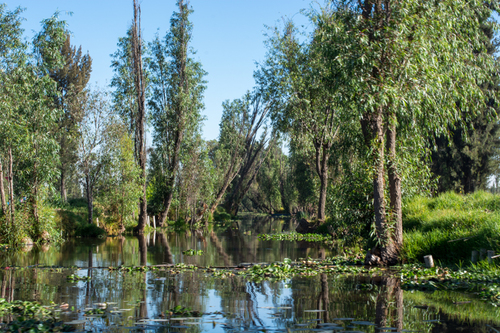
144,301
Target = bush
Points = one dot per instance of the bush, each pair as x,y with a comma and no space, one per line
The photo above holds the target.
220,215
89,230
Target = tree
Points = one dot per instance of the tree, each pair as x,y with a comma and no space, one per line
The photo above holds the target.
303,106
71,78
28,118
92,155
177,87
405,66
227,153
11,54
140,89
124,95
119,191
251,112
464,161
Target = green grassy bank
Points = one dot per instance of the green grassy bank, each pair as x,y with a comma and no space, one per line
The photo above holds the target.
451,226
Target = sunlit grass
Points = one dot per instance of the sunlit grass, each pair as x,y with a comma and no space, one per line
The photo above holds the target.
451,226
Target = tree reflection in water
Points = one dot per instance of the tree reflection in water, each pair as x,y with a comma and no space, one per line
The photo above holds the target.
391,294
143,260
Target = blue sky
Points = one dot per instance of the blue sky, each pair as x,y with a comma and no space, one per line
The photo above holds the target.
228,36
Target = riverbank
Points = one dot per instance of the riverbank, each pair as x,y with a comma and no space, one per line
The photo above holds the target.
449,227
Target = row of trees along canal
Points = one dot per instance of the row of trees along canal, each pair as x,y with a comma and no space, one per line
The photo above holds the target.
364,98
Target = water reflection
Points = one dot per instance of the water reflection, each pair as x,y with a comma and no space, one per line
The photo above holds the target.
150,300
391,294
227,245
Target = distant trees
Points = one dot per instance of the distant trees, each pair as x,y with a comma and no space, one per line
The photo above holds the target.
251,137
93,156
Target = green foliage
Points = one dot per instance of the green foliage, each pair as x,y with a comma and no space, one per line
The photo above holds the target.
464,161
176,88
183,311
192,252
89,230
23,309
431,223
220,215
120,189
29,120
294,236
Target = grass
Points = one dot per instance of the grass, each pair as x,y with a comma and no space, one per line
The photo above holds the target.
451,226
72,219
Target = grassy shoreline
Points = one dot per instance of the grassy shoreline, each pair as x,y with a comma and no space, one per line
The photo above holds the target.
450,226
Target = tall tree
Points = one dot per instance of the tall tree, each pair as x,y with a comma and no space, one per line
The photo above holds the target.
71,78
11,54
303,106
177,86
124,95
405,65
140,90
29,117
464,160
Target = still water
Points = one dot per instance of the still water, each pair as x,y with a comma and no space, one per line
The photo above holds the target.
117,301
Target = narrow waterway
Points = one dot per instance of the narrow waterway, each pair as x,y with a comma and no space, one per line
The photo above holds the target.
166,300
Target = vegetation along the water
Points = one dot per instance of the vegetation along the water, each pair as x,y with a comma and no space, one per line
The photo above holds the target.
371,135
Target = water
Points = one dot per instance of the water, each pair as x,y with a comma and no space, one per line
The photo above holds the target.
147,301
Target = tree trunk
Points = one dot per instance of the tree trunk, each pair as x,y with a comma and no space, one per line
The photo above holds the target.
143,250
11,188
385,252
322,156
395,186
228,178
64,196
2,191
34,201
167,202
90,199
140,88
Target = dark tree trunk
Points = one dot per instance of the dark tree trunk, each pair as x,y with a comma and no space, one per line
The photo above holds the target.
391,293
385,252
34,201
64,196
11,188
2,191
143,250
181,115
90,199
322,155
395,187
140,88
167,202
254,160
228,178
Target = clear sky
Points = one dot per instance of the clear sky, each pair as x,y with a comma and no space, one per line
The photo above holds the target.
228,36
